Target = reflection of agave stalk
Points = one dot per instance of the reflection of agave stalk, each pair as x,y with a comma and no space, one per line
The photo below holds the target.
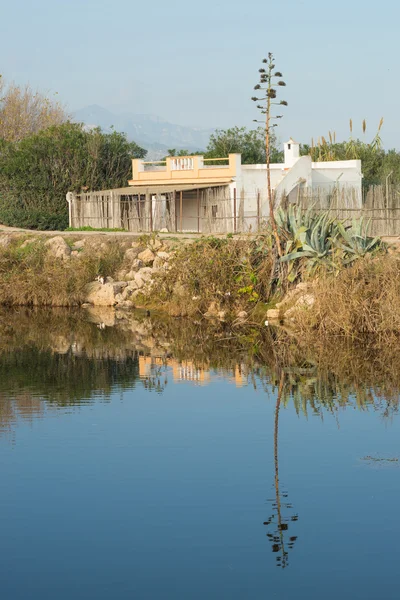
278,538
276,462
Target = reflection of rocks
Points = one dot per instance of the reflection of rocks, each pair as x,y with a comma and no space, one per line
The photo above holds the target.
60,344
101,314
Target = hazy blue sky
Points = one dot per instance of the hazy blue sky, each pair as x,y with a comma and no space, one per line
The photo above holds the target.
195,63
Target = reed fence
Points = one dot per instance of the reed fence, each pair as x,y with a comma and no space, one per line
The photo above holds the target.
219,210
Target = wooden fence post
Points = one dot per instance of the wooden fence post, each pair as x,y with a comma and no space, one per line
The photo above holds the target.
180,210
234,210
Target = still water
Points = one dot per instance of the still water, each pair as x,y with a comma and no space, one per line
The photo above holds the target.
132,467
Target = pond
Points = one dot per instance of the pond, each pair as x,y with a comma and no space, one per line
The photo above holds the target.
147,459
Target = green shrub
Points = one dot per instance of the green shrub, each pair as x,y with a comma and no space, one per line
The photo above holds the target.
37,172
33,219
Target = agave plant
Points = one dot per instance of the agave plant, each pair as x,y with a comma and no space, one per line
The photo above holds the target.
355,241
309,236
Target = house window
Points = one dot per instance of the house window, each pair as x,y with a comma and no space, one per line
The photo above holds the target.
288,146
214,210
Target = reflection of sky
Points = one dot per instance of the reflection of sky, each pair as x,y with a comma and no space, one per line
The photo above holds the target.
165,495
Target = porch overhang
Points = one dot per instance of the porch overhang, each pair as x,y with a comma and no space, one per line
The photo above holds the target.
163,188
173,185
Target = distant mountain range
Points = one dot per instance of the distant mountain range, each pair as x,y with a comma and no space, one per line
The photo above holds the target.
149,131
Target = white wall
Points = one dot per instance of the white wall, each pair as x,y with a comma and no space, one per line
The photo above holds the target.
345,171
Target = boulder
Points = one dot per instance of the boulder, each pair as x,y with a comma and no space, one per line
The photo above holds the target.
147,256
164,230
131,254
103,294
163,255
58,247
79,245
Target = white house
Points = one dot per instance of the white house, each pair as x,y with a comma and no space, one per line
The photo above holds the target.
193,193
299,177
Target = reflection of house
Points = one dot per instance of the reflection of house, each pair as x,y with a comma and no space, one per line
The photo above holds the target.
195,194
186,371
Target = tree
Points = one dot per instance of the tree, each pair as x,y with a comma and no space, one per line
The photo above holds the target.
239,140
270,81
38,171
24,112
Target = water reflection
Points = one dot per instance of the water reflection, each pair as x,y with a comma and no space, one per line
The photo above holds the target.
55,362
279,524
63,358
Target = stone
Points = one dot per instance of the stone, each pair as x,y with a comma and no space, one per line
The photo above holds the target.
79,245
242,314
105,294
137,264
273,314
58,247
75,253
131,254
155,244
147,256
164,230
221,315
163,255
119,286
99,294
139,280
128,291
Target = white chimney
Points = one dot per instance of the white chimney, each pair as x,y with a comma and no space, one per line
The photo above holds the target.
292,153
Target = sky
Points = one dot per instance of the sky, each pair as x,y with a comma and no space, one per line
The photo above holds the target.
196,63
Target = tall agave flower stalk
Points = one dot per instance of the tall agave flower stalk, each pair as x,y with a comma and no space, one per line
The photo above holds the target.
270,81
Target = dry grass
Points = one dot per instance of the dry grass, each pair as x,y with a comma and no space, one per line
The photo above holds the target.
363,299
229,274
30,276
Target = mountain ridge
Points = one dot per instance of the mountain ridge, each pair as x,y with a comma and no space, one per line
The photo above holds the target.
152,132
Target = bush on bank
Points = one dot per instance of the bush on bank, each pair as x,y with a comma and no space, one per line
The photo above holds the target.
37,172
